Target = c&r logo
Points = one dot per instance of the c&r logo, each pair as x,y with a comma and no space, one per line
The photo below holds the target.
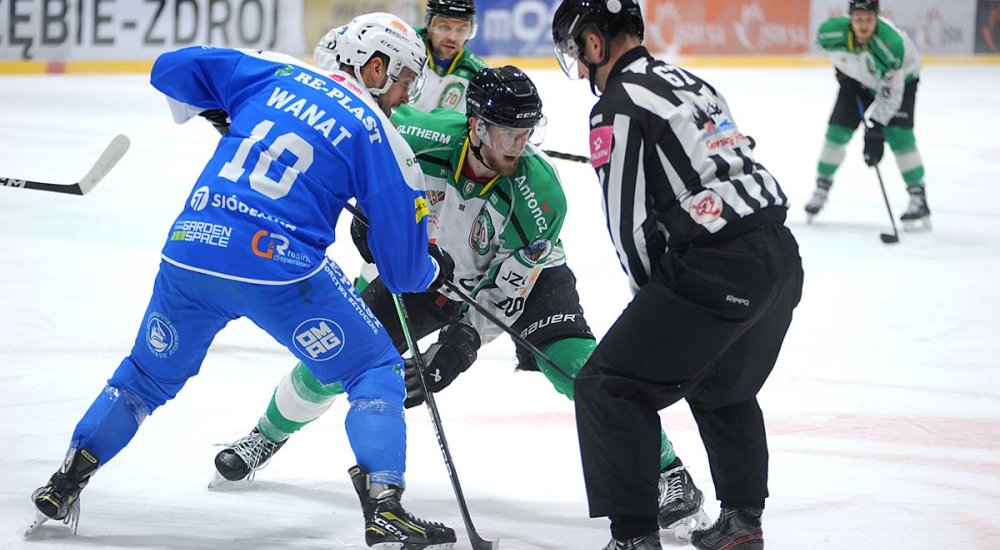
264,244
161,336
320,339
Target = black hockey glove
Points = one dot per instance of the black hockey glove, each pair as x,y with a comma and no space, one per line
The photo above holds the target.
453,354
359,234
874,144
446,267
218,118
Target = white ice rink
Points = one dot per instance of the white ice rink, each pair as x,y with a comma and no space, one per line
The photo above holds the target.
883,412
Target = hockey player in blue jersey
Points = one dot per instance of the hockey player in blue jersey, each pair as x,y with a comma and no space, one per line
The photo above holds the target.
251,241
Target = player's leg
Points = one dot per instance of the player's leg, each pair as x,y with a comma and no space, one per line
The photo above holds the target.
319,322
843,122
300,398
169,348
900,136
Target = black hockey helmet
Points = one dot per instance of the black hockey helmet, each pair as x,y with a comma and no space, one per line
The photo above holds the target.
607,17
862,5
455,9
504,96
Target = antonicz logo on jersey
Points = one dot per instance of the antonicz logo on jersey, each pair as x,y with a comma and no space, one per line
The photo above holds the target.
320,339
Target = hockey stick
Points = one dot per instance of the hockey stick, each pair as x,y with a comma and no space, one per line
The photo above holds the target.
111,155
886,238
467,298
478,543
566,156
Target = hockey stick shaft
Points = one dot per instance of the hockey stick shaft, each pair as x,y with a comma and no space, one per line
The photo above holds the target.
108,159
878,173
566,156
478,543
467,298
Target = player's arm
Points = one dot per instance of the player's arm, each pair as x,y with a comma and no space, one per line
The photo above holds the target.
834,35
195,80
887,51
388,185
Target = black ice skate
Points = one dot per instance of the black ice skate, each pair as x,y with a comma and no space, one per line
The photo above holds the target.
680,502
648,542
242,458
818,199
59,499
918,215
736,529
388,525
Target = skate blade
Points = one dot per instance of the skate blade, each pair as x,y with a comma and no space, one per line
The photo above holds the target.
679,532
40,518
412,546
219,483
917,226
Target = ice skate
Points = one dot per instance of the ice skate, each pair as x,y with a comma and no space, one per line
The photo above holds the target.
736,529
680,503
242,458
648,542
818,199
918,215
59,499
388,525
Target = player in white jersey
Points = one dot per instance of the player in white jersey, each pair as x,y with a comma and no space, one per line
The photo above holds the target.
251,242
878,69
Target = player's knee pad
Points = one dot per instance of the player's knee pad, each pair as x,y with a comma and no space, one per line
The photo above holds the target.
569,354
900,139
839,135
131,378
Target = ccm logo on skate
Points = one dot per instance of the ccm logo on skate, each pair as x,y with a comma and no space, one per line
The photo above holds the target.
320,339
735,300
161,336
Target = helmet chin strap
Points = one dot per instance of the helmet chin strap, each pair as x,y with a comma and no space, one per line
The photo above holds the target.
592,67
477,149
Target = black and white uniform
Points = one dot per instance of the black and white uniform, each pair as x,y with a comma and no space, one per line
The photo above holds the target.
698,227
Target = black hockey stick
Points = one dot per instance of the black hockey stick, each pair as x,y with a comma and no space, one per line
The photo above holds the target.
478,543
111,155
886,238
566,156
467,298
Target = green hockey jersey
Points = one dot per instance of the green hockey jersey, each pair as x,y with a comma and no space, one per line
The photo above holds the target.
884,65
501,233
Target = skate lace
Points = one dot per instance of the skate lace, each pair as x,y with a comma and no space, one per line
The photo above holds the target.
672,486
255,450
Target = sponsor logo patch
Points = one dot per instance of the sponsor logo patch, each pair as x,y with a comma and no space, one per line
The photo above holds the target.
705,207
320,339
161,336
600,145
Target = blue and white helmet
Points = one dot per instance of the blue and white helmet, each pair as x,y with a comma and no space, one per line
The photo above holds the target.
356,42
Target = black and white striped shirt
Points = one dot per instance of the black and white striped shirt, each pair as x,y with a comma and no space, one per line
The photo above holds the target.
674,167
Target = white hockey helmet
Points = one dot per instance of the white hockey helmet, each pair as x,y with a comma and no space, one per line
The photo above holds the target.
356,42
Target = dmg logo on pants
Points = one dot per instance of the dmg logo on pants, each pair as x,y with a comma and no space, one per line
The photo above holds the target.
320,339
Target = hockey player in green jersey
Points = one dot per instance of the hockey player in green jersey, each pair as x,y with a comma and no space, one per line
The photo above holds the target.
878,68
449,25
497,206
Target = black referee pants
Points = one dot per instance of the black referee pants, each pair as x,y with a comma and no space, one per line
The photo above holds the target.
708,328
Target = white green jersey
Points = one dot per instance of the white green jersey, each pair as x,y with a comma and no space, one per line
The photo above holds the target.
444,86
884,65
501,233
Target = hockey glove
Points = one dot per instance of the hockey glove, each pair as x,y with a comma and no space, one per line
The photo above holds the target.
453,354
874,144
446,267
359,234
218,118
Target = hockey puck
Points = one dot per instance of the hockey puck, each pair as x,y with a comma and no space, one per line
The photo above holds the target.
889,239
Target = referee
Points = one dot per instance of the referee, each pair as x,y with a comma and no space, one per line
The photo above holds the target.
699,230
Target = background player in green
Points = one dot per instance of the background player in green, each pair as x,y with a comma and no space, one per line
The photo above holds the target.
450,24
878,66
497,206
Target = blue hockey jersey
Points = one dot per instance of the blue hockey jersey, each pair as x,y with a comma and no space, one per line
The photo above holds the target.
301,143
